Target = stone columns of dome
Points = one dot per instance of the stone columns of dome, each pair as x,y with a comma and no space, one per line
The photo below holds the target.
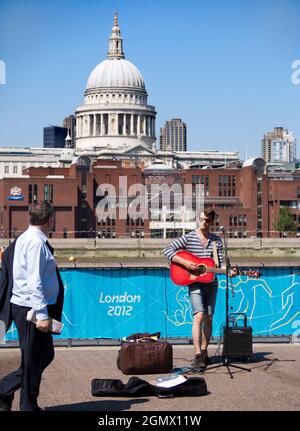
144,125
85,125
77,127
131,124
94,124
97,124
124,124
82,125
91,124
101,126
149,126
138,132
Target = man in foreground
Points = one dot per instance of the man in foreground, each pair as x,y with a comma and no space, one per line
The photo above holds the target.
35,284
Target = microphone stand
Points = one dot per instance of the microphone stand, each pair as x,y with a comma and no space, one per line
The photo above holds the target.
226,358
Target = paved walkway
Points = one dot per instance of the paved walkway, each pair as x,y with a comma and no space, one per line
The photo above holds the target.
273,384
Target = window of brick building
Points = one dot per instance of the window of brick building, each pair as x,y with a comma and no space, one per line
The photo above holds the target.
35,192
30,193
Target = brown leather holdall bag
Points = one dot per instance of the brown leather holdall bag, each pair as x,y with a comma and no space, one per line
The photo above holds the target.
145,357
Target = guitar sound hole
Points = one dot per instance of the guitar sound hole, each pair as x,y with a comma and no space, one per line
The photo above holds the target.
201,269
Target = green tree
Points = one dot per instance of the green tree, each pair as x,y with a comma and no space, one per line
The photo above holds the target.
285,222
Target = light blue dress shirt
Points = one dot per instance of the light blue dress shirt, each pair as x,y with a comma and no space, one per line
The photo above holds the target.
35,282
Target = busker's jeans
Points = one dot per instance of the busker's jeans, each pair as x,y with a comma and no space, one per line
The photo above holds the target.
37,352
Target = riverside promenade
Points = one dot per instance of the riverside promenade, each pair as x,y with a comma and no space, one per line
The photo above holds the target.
272,385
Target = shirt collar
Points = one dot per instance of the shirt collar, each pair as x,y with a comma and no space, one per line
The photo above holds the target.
34,230
210,237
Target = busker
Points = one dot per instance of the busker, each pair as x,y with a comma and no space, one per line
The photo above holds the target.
200,242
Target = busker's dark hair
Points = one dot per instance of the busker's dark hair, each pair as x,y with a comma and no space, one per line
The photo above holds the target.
209,212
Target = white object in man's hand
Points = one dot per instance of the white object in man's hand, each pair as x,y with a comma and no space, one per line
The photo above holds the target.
47,325
43,325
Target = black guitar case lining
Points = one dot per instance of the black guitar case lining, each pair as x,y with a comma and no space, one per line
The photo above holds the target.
136,387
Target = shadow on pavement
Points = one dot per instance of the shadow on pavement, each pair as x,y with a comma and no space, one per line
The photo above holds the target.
108,405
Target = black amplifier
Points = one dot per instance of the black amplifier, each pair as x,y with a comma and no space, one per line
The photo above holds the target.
237,340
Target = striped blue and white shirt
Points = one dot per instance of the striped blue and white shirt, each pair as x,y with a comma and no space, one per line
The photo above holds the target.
191,242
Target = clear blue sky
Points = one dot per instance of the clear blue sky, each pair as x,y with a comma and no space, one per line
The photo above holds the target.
224,67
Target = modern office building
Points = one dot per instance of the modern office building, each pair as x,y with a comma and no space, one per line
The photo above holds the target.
55,136
173,136
70,124
279,146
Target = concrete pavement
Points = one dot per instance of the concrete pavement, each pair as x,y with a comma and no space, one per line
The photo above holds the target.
273,384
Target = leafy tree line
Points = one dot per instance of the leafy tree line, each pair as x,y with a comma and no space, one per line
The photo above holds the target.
285,221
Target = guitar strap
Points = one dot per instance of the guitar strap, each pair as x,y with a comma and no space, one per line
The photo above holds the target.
215,252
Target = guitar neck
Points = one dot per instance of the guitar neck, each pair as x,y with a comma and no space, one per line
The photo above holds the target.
216,270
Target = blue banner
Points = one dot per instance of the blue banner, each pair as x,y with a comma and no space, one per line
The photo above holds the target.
114,303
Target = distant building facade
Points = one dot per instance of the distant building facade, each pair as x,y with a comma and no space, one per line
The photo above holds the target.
246,197
173,136
55,136
70,124
14,161
279,146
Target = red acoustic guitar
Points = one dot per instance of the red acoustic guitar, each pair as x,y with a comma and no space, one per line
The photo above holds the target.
206,270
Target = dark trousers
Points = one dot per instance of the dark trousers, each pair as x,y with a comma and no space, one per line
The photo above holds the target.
37,352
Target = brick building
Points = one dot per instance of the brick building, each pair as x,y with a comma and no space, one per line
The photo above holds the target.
75,193
95,199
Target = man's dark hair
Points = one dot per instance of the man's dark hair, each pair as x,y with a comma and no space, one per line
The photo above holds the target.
40,212
209,212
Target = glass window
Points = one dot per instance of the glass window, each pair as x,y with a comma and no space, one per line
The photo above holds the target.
35,192
51,193
46,192
30,193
